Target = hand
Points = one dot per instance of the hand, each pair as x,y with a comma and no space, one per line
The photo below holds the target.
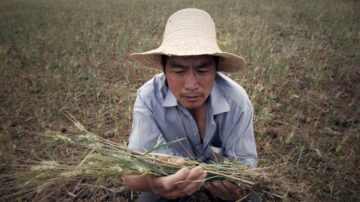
173,186
226,190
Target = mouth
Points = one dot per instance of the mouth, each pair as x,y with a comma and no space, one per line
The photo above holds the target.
192,97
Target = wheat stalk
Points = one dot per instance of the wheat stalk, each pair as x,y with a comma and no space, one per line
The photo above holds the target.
106,158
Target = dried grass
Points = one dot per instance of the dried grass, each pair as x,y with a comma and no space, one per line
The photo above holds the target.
104,159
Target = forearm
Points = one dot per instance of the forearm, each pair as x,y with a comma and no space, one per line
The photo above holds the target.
137,182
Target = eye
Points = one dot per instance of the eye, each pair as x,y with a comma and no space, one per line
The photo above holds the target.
179,72
203,70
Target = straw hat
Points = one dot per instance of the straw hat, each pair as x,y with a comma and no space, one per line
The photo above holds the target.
190,32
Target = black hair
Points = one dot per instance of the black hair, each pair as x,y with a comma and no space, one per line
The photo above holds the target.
216,58
163,61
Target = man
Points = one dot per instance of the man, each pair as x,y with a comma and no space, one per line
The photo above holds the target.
193,101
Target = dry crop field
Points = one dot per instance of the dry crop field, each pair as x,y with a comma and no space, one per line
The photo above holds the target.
72,57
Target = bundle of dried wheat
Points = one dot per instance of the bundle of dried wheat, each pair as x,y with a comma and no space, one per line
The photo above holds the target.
106,158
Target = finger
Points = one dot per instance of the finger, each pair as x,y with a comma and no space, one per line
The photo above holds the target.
240,192
210,186
230,186
169,182
232,189
196,183
220,186
194,186
221,190
225,190
194,174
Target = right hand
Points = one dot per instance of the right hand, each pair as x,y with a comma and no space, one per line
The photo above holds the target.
172,186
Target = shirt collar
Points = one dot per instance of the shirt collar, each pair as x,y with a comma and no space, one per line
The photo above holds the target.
219,103
170,99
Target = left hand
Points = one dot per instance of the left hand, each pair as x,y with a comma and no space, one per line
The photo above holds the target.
168,187
226,190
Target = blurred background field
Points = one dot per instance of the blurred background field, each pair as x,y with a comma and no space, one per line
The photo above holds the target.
303,77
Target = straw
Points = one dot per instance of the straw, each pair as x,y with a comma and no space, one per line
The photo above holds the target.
105,158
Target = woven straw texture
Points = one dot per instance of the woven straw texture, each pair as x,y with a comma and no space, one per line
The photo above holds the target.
190,32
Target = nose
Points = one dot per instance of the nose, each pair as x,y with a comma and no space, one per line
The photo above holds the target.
191,81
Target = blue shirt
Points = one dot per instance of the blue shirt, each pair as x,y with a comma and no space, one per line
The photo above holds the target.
159,118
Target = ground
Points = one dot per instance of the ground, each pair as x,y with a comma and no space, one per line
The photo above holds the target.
72,57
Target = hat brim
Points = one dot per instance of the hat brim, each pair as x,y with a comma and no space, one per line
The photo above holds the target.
228,62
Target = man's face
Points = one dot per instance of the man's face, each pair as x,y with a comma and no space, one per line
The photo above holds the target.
190,78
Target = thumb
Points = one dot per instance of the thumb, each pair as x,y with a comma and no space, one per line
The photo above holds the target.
171,180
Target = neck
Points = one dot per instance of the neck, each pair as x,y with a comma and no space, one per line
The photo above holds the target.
199,115
198,111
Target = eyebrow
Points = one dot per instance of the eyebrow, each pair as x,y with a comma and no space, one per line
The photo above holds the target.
204,65
176,65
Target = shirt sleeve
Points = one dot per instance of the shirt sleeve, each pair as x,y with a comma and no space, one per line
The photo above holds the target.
240,144
145,133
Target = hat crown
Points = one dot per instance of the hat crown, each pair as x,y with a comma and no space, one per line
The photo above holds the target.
189,30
